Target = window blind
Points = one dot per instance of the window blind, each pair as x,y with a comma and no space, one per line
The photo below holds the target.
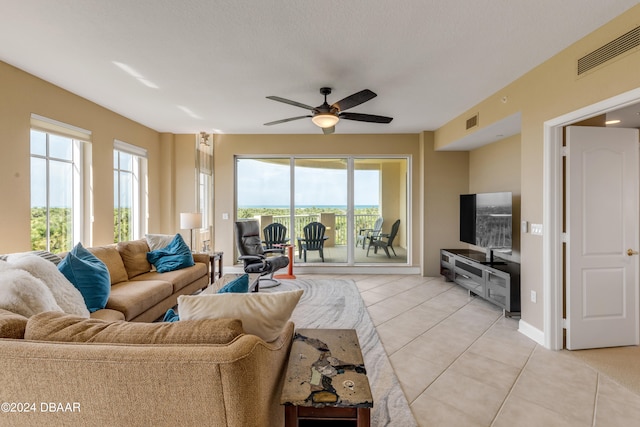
129,148
48,125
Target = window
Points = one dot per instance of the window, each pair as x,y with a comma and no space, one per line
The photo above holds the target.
56,182
346,194
129,195
205,192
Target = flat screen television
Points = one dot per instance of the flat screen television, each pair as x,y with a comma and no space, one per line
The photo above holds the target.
486,221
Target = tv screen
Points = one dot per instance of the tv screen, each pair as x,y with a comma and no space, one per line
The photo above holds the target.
485,220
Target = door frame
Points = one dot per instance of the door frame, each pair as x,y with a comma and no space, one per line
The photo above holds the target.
552,239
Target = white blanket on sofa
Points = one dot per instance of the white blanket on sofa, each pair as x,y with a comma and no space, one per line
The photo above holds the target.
57,288
22,293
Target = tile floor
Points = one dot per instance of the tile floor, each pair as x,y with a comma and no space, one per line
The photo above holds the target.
461,363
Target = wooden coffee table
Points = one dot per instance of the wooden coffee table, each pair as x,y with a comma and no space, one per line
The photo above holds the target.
326,380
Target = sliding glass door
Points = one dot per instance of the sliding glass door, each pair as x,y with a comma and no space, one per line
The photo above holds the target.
264,191
380,210
361,204
321,197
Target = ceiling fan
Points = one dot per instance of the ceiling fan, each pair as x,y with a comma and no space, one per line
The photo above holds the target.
326,116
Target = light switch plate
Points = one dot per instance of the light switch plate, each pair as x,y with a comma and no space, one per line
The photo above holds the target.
525,226
536,229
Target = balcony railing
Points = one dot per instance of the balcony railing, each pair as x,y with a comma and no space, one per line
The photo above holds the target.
360,221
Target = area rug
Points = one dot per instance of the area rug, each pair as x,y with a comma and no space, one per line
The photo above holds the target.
336,304
621,364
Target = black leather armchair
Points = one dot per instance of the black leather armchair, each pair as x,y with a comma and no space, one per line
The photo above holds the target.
254,256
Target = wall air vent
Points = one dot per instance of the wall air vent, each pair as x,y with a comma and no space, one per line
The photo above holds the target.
609,51
472,122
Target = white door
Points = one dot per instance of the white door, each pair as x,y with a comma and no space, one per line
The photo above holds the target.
602,237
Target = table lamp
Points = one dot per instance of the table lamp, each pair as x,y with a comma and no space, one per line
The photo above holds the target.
190,221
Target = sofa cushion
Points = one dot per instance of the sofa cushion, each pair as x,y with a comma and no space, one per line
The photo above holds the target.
262,314
178,278
134,256
67,328
110,256
108,314
134,298
12,325
175,256
89,275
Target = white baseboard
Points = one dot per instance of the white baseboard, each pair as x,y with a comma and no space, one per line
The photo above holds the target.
531,332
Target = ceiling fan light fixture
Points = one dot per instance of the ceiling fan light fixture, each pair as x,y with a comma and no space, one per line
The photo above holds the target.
325,120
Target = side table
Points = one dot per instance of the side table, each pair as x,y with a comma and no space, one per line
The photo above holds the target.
289,274
213,257
326,380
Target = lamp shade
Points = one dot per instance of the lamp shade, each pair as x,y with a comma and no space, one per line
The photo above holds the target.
325,120
190,220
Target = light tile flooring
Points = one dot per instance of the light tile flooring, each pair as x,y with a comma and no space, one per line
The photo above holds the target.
461,363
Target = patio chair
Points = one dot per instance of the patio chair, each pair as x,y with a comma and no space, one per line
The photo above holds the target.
253,255
384,241
367,233
313,240
275,234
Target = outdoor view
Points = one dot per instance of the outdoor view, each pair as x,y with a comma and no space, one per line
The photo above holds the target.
51,192
320,194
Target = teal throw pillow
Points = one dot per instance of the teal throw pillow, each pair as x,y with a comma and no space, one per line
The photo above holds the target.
174,256
89,275
171,316
239,285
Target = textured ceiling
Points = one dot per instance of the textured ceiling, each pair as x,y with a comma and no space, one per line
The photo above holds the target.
213,62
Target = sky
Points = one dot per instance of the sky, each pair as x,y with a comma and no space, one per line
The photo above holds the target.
267,184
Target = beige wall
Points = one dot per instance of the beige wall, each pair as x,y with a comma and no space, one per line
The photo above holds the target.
23,94
496,167
548,91
228,146
444,176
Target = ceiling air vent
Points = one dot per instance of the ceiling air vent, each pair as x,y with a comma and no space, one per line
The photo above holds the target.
472,122
609,51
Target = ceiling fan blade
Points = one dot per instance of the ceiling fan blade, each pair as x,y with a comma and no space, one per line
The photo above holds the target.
290,102
366,118
286,120
355,99
329,131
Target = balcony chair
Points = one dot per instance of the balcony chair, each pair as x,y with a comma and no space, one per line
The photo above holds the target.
254,256
384,240
368,233
313,240
275,234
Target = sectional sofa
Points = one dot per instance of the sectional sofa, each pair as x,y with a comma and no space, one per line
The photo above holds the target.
116,368
139,294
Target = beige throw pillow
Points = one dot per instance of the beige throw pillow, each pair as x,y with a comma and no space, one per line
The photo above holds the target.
134,256
262,314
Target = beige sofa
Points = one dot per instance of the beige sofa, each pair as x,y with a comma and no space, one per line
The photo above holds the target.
236,384
136,376
139,294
